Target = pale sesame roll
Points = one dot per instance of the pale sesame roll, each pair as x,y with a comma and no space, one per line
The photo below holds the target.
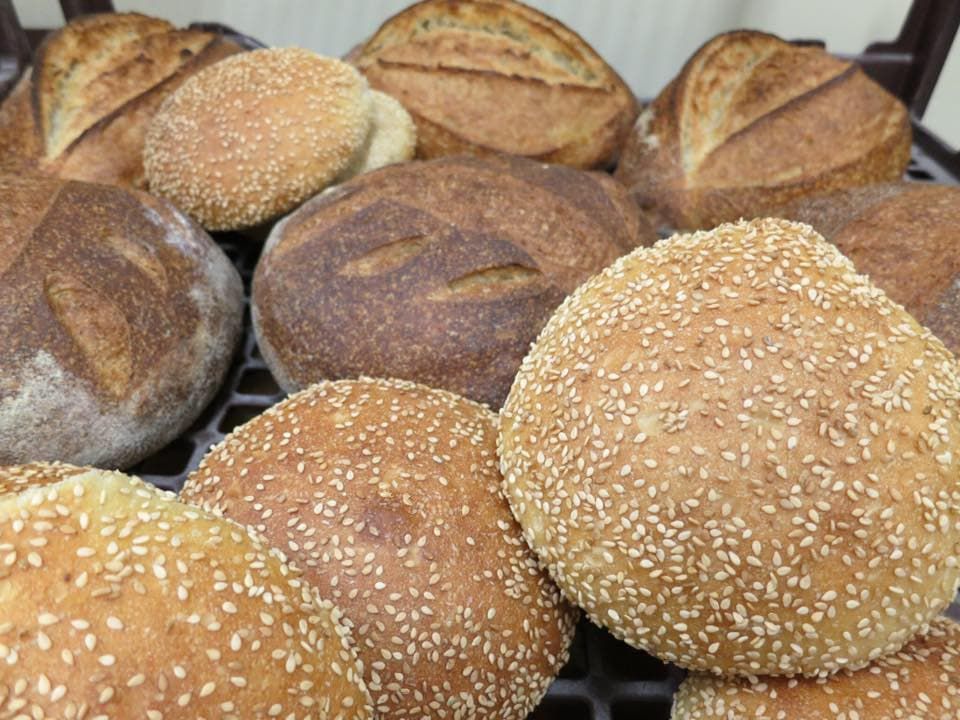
254,135
118,601
736,453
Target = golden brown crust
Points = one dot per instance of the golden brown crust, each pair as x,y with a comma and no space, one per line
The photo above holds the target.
96,83
118,321
738,454
906,237
452,63
232,170
440,272
753,122
387,495
132,604
918,683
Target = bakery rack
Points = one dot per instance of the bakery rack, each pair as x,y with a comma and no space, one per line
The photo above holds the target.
604,679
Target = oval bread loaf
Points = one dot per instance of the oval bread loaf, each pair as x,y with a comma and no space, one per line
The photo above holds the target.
738,454
497,76
440,272
119,601
118,320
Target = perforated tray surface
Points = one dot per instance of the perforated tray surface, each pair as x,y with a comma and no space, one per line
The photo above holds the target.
604,679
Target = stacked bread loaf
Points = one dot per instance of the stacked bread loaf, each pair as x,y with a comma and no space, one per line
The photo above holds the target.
732,448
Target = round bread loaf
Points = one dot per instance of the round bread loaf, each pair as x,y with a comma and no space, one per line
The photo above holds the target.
387,495
304,118
739,455
906,237
440,272
118,320
753,122
116,600
392,137
489,76
918,682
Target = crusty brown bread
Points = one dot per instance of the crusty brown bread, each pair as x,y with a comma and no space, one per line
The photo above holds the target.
118,601
118,319
740,455
906,237
387,495
440,272
917,683
753,122
305,119
82,112
488,76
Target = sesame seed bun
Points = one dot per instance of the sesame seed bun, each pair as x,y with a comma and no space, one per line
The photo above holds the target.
919,682
736,453
387,495
116,600
392,137
256,134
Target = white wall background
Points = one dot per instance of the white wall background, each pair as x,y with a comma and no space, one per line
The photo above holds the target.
646,41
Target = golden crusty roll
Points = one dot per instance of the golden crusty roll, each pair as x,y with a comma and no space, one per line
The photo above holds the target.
738,454
918,682
387,495
82,110
906,237
489,76
753,122
440,272
118,321
305,118
116,600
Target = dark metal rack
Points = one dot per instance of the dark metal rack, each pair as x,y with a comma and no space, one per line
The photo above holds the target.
604,679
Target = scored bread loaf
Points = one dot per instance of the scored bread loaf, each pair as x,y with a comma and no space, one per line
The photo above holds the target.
118,320
906,237
488,76
440,272
119,601
753,122
82,110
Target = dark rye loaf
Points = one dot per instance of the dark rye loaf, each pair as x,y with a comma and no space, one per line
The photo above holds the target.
906,237
440,272
753,122
118,319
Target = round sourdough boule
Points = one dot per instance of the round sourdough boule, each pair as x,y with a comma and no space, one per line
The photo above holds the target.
438,272
256,134
387,495
918,683
118,321
739,455
118,599
392,137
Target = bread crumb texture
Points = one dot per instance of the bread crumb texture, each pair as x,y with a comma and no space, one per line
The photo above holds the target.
387,494
254,135
738,454
917,683
118,601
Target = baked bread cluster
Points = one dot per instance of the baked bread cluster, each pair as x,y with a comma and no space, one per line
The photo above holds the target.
735,448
